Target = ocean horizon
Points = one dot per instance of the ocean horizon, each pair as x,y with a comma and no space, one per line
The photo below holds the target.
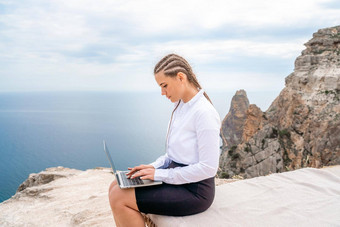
40,130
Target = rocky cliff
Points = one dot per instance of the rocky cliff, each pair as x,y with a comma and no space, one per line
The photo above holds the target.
232,129
301,128
61,196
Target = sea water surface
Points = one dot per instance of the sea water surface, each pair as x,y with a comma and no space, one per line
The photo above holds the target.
39,130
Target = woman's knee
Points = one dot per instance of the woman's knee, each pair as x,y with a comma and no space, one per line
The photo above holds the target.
117,196
114,195
114,183
121,197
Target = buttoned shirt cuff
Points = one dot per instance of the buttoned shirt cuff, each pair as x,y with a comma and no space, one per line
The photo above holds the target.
161,174
161,163
156,164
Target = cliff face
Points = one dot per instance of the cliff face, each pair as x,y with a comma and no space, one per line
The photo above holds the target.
301,128
60,197
235,119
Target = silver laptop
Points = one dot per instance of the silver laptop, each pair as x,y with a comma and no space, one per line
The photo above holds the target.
122,179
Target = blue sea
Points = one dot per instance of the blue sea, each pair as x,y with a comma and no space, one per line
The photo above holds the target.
39,130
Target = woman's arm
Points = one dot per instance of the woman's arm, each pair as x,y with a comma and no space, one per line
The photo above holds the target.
207,128
208,146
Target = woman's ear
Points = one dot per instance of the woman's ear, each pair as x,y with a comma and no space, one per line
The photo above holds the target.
181,76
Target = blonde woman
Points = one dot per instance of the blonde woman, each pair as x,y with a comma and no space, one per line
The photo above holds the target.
190,162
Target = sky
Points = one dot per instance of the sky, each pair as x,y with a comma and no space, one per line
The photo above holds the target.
113,45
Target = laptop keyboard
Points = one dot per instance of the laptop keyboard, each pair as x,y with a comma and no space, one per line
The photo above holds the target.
127,181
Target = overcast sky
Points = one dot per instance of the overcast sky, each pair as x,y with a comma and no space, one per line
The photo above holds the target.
114,44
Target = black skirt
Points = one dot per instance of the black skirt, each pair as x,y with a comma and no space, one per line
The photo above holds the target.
176,200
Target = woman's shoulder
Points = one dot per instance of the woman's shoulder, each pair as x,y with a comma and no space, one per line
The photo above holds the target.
206,113
204,106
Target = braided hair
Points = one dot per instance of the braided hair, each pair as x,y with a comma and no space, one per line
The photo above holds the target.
173,64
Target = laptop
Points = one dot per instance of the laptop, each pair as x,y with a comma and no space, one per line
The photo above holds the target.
122,179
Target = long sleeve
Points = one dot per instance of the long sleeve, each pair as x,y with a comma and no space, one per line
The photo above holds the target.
205,168
207,125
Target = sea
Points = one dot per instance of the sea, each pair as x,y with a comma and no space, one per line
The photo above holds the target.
39,130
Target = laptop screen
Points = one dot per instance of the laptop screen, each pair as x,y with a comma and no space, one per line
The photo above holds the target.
109,157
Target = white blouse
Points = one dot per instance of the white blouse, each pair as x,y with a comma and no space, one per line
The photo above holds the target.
193,140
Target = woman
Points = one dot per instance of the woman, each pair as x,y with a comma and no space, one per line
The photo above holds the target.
192,152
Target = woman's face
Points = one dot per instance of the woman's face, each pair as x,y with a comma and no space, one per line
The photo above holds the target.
172,87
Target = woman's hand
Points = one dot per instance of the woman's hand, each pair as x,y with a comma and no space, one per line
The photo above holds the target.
145,172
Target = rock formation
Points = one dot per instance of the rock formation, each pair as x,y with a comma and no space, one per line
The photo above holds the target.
301,128
235,119
60,197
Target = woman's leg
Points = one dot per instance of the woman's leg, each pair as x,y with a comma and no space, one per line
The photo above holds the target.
124,206
114,183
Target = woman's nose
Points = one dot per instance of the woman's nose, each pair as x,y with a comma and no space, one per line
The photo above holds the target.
163,92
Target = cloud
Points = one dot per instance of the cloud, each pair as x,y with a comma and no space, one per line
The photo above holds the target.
152,16
113,44
234,81
212,50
